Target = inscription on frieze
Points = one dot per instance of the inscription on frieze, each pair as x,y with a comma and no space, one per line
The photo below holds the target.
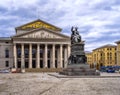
41,34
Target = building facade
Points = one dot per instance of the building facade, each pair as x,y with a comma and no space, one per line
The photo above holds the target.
37,44
89,57
118,52
103,56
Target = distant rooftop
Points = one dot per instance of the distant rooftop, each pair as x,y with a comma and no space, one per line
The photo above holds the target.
5,38
88,52
104,46
117,42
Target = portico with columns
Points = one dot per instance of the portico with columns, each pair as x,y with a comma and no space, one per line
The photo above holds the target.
41,55
41,47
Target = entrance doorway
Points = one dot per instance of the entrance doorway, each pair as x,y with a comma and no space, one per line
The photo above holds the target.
48,63
26,64
19,64
34,63
55,63
41,63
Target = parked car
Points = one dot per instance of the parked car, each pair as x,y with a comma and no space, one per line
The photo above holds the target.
4,71
110,69
103,69
117,68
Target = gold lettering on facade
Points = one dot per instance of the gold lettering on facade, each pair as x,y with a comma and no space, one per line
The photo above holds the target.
39,25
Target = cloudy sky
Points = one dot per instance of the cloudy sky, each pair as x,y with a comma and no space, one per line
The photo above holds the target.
98,20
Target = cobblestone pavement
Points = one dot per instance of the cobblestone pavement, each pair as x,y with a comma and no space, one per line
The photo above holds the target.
43,84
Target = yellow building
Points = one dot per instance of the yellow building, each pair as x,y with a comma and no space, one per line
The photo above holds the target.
118,52
104,56
89,58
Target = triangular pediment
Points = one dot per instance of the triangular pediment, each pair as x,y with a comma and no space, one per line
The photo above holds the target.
38,24
42,34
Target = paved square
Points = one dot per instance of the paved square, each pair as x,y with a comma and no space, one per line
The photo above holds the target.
43,84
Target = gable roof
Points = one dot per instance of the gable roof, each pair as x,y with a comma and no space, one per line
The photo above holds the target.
38,24
35,30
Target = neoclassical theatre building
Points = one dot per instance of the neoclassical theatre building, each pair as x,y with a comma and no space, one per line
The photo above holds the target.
37,44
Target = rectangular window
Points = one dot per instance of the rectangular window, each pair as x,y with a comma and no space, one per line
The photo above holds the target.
7,63
19,53
56,54
26,51
6,42
6,53
33,53
63,54
41,53
48,54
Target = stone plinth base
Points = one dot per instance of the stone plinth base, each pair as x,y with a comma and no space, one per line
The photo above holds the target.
22,70
79,69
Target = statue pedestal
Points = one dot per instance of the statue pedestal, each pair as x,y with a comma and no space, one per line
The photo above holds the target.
79,70
77,63
77,60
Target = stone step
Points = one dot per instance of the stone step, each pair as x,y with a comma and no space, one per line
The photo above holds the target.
79,70
79,73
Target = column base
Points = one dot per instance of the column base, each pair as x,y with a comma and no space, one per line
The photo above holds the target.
22,70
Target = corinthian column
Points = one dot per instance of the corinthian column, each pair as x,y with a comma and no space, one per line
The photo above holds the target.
15,56
53,56
22,59
65,57
45,56
38,56
68,50
61,55
30,55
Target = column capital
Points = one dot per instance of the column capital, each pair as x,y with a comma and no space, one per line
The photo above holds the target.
68,44
61,44
46,44
14,43
22,43
30,44
53,44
